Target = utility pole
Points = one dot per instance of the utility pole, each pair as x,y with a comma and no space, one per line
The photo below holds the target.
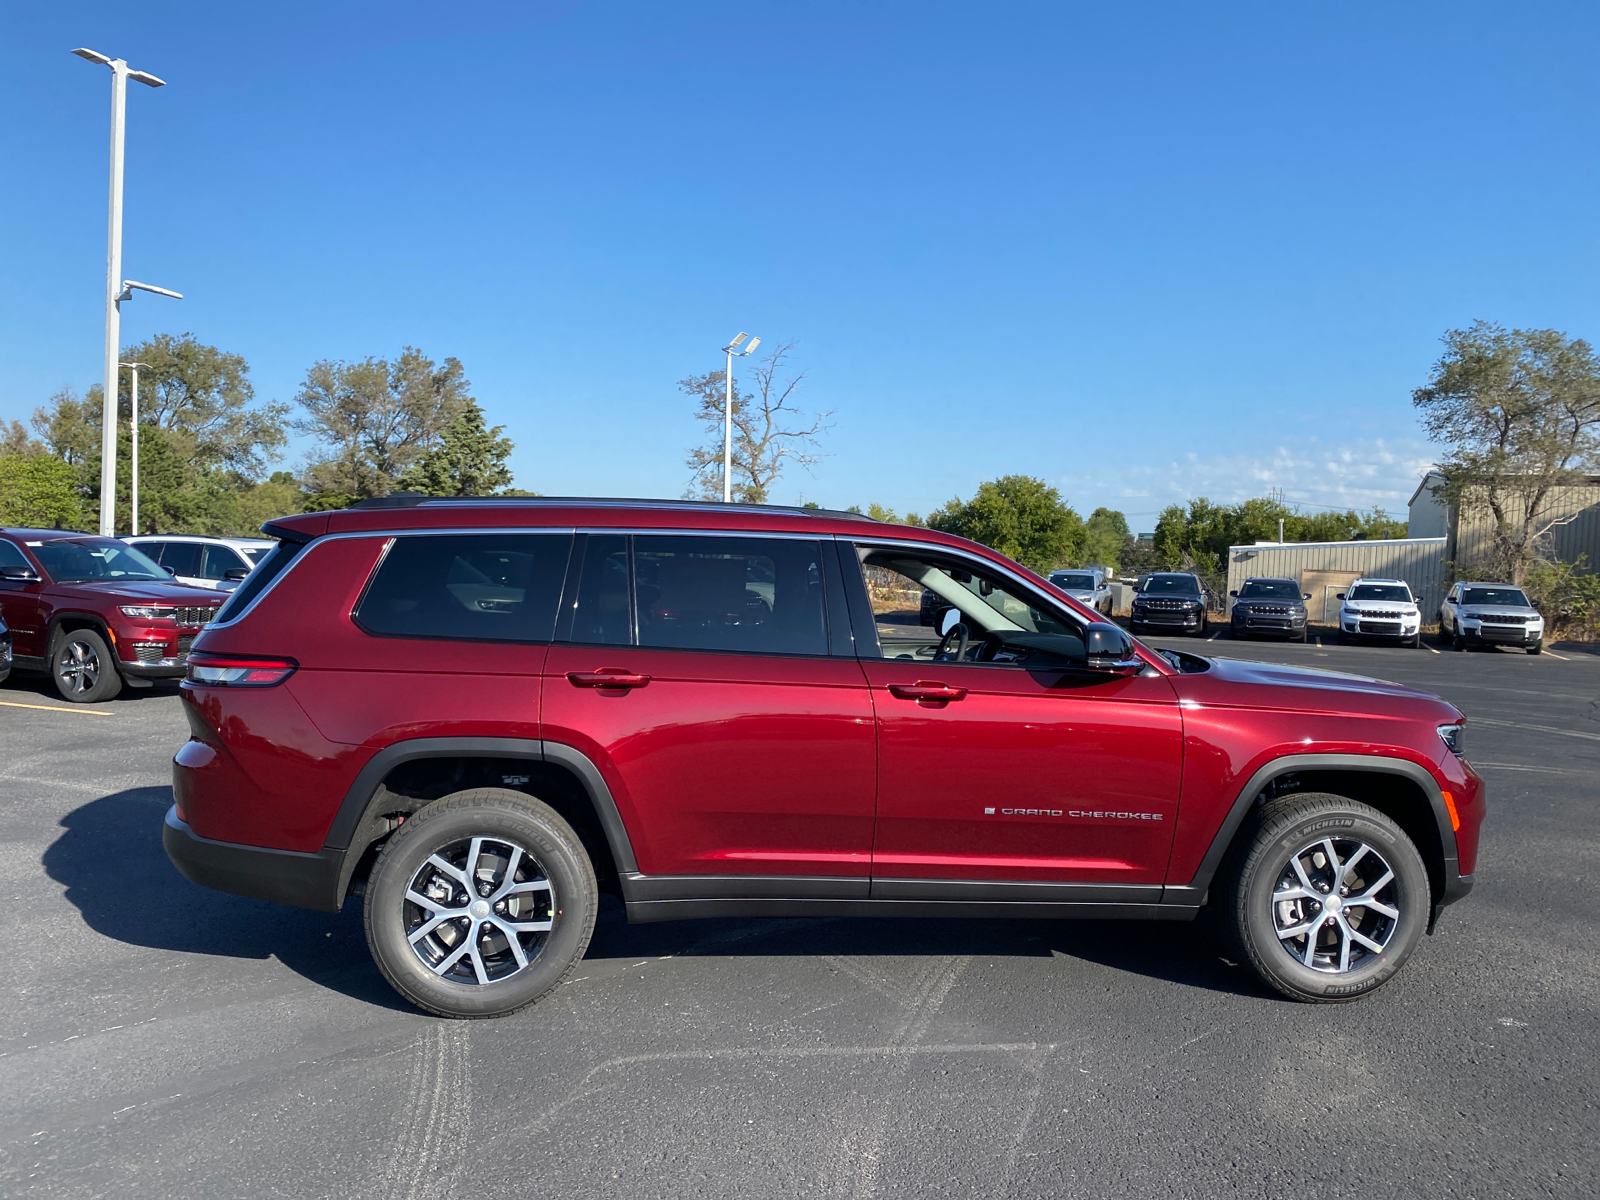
133,449
731,350
116,288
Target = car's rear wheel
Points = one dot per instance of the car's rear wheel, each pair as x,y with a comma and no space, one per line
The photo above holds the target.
83,667
480,904
1329,899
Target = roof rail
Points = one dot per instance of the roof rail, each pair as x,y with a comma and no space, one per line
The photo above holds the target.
415,499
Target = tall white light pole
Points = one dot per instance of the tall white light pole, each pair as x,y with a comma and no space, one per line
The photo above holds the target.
732,351
133,448
115,290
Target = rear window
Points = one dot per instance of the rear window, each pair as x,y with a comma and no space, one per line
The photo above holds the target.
467,587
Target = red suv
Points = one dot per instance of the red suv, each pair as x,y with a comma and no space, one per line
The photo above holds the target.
480,713
94,612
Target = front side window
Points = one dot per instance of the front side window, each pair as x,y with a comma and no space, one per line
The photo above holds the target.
1512,597
10,556
217,561
468,587
92,559
1005,624
1170,585
756,595
1270,589
1389,593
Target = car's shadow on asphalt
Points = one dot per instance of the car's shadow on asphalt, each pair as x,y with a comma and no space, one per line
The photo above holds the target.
1184,953
110,859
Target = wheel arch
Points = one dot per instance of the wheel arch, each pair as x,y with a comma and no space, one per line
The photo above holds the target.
1402,790
71,621
405,776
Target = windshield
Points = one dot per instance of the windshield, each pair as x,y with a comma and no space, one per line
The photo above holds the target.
1170,585
252,554
1495,595
86,559
1275,589
1073,582
1394,593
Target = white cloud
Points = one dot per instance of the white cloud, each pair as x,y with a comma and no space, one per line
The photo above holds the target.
1311,472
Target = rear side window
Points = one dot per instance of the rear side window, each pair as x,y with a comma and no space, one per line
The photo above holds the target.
471,587
757,595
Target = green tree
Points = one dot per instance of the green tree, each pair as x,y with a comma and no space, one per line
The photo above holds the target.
276,496
14,439
38,490
470,460
769,431
1517,416
1023,518
1104,535
375,420
1198,537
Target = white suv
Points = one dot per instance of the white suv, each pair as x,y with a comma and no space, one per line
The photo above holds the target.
208,562
1490,614
1087,585
1382,608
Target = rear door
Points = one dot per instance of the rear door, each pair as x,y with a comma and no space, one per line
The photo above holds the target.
695,672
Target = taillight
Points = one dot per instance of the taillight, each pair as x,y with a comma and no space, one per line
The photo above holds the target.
232,670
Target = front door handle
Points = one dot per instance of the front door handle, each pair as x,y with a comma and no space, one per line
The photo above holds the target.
924,691
607,677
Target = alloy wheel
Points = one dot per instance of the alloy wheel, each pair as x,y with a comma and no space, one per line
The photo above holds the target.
78,666
1335,905
479,910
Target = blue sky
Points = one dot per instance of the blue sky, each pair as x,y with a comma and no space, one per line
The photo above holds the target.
1144,251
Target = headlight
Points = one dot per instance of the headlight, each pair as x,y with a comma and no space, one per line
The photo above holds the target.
145,612
1454,737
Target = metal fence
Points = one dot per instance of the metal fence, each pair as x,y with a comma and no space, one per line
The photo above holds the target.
1326,568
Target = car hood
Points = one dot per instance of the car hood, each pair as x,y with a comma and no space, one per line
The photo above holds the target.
133,592
1278,684
1379,605
1082,593
1497,610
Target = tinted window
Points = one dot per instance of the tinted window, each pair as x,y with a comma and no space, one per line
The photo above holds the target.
1170,585
10,556
278,558
183,558
759,595
1392,593
253,554
601,611
1485,595
1073,583
1274,589
217,561
479,587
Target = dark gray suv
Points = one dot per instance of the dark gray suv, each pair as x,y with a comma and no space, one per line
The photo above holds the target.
1269,606
1170,602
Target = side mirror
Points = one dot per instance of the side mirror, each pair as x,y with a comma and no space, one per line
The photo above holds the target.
1340,596
173,571
1107,648
1234,592
236,573
1307,596
950,619
20,572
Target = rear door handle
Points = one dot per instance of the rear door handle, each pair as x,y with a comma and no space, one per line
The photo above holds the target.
607,677
924,691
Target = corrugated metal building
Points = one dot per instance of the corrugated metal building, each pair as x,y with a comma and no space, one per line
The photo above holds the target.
1326,568
1574,536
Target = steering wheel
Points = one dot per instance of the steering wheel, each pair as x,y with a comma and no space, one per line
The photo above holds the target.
989,647
942,651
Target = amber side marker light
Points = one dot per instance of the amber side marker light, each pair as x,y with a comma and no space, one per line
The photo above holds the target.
1455,817
230,670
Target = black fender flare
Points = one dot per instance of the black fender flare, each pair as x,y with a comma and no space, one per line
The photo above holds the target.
353,809
1194,892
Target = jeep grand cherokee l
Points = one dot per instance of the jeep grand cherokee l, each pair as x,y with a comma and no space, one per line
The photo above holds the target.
95,613
479,714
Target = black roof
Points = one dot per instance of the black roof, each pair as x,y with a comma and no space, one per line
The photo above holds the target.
418,499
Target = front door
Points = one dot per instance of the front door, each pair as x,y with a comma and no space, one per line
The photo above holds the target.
1000,756
694,672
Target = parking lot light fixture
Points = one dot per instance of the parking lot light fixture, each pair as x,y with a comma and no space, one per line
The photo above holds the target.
732,351
116,288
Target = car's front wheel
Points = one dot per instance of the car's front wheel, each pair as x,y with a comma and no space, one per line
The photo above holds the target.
1328,900
83,668
480,904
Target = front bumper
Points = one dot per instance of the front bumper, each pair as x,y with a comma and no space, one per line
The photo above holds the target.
1166,620
1502,635
282,876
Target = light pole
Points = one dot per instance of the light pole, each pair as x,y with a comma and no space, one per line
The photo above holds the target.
731,350
116,289
133,449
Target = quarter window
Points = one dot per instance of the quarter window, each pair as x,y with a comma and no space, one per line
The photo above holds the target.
470,587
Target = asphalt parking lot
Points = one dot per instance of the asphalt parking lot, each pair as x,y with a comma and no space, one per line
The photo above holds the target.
160,1039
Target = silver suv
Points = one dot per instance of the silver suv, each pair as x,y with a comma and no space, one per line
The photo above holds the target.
1086,585
1490,614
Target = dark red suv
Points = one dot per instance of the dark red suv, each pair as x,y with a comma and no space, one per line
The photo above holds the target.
94,612
480,714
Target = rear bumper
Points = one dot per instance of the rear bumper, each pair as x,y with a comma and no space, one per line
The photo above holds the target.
282,876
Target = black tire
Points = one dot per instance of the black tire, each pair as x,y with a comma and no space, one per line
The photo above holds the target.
1298,826
570,898
1536,648
1415,641
83,667
1304,636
